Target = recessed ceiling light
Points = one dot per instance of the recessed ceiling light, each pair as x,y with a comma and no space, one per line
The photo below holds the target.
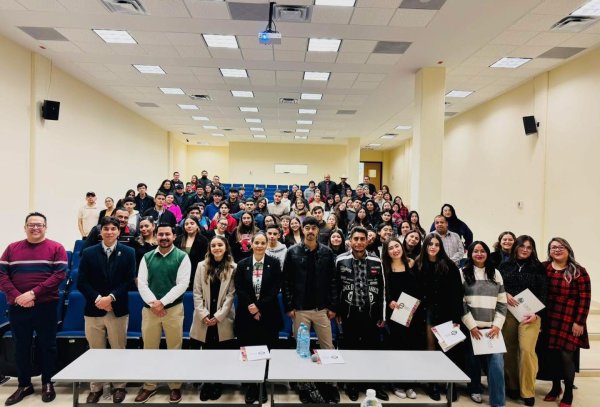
307,111
458,93
155,69
248,109
589,9
210,127
300,137
253,120
509,62
220,41
217,134
172,91
233,73
115,36
302,131
374,144
311,96
259,136
257,129
345,3
200,118
304,122
403,127
242,93
316,76
188,107
323,45
387,137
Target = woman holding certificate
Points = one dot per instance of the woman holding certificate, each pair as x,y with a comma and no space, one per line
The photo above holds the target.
484,315
523,271
567,308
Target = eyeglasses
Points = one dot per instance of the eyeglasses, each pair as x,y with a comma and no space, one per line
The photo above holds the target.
557,248
35,226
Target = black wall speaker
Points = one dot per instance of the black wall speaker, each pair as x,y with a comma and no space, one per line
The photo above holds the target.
530,125
50,109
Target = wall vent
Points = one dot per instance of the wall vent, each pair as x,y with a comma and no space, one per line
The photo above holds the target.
294,14
200,97
573,24
288,101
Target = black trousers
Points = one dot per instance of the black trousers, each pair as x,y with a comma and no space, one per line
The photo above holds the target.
360,331
41,319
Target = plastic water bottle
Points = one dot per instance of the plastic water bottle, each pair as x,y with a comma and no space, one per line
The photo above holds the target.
303,341
370,400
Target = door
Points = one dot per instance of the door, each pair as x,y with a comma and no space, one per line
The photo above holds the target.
372,169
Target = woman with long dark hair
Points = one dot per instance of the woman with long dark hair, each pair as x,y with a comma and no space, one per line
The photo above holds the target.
442,288
414,219
193,243
110,208
412,244
166,187
360,219
522,271
337,243
144,243
455,224
485,308
567,308
295,236
503,248
404,213
214,290
241,239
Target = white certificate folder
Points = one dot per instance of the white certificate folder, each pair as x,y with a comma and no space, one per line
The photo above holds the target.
404,314
448,335
486,345
528,304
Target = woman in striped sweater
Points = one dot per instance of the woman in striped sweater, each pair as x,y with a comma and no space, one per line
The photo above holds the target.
484,308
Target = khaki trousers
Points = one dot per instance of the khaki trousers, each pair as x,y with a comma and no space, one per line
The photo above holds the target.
152,328
520,359
97,329
321,324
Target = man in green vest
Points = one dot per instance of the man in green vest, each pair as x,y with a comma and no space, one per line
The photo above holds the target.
163,277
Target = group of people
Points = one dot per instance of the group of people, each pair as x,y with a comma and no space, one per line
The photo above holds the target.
328,269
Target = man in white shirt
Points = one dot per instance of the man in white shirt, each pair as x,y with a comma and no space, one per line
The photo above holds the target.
88,214
452,242
277,207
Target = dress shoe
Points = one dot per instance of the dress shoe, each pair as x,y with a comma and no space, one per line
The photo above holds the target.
304,395
381,394
352,392
434,392
314,394
205,392
264,397
19,395
329,392
553,395
251,394
175,396
119,395
513,394
564,404
144,395
93,397
217,391
529,401
48,393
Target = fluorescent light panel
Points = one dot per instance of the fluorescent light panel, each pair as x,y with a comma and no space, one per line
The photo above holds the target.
403,127
304,122
343,3
217,134
242,93
259,136
172,91
210,127
589,9
509,62
311,96
458,93
200,118
316,76
154,69
220,41
233,73
386,137
323,45
248,109
253,120
300,137
307,111
374,144
257,129
115,36
188,107
302,131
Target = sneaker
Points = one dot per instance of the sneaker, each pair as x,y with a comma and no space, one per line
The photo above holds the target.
476,397
400,393
411,394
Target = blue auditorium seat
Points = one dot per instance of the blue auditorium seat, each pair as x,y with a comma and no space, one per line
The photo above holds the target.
78,246
73,324
188,312
287,331
136,304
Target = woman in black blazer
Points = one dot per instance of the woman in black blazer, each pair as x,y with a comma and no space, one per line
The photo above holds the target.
257,316
194,244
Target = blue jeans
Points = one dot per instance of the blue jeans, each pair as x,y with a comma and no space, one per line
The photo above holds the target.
495,375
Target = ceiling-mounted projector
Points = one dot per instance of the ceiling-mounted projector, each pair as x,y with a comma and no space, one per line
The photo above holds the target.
270,36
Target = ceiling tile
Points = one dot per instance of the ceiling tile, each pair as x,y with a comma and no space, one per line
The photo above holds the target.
250,42
352,57
412,18
512,37
43,33
120,68
549,39
370,77
383,59
79,35
11,5
582,40
331,14
424,5
128,49
530,51
341,84
358,46
557,7
208,10
371,16
535,22
225,53
84,7
378,3
167,8
262,77
42,5
92,67
495,51
191,51
161,50
321,56
365,85
391,47
295,56
180,39
292,44
59,46
289,78
561,52
150,38
257,54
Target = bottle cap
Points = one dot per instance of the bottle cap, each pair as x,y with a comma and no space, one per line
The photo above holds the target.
370,393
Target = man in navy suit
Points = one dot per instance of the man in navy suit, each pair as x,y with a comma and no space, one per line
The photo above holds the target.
106,271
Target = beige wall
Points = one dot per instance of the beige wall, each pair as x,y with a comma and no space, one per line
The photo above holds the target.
96,144
490,165
397,171
215,160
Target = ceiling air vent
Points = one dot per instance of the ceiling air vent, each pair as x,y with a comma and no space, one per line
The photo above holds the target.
450,114
293,14
287,131
227,129
200,97
288,101
130,7
573,24
187,133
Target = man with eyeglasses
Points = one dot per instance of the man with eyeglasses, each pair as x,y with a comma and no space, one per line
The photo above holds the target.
310,296
30,272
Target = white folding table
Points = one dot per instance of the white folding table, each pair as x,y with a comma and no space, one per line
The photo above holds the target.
161,366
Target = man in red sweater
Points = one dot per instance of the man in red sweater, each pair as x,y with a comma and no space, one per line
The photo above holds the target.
30,272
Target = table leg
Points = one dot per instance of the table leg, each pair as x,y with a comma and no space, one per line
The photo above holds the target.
75,394
272,394
260,387
449,394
